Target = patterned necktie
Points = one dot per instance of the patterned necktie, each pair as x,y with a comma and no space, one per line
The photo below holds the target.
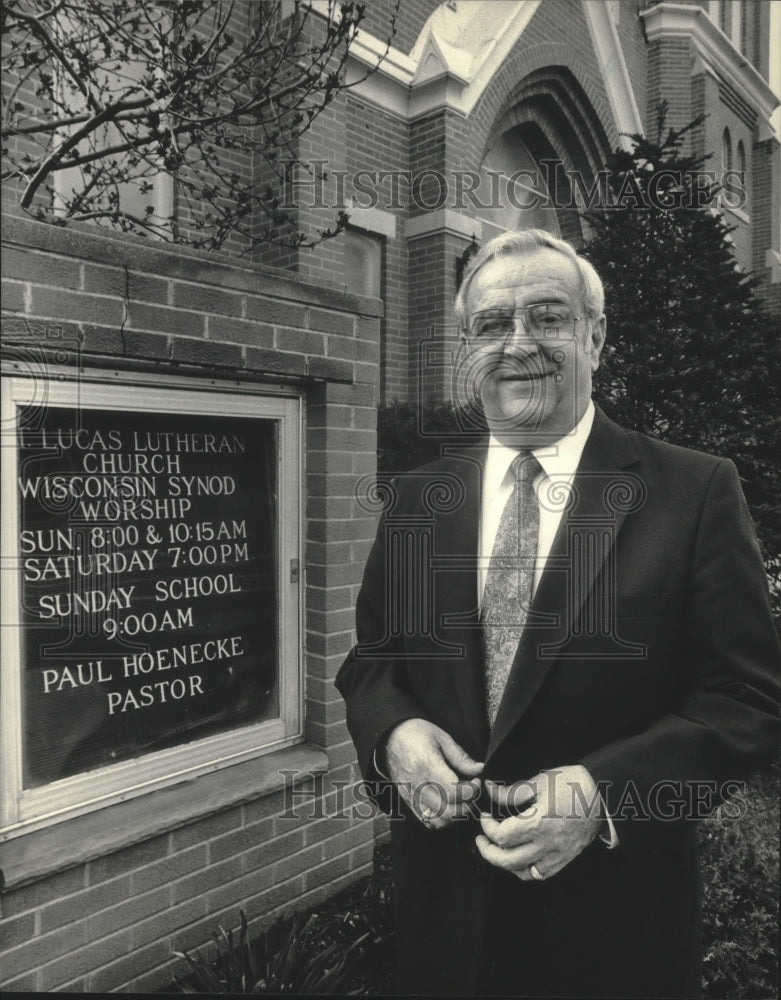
509,580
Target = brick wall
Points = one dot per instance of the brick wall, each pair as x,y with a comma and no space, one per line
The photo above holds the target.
671,79
767,224
410,20
111,920
633,46
375,141
188,212
438,143
113,923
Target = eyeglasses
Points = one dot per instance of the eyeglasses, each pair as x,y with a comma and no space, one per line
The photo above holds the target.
542,321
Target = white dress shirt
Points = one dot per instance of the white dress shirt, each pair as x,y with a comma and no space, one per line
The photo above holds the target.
559,463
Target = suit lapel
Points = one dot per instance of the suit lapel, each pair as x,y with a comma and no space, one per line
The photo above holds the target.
456,615
602,496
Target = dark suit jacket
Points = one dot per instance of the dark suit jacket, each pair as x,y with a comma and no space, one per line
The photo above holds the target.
649,656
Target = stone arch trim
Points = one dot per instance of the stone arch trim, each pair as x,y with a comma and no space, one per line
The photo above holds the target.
575,78
552,98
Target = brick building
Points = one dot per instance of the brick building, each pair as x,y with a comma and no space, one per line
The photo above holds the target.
471,90
120,845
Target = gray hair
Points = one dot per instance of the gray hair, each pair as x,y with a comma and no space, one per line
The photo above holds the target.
522,241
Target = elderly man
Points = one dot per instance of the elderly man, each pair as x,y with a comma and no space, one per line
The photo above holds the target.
579,665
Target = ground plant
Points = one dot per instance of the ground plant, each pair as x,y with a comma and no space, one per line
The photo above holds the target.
343,947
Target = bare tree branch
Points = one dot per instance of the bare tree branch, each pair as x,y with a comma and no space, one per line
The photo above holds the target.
129,91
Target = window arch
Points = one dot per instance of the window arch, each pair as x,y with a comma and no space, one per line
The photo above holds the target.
740,161
726,150
741,165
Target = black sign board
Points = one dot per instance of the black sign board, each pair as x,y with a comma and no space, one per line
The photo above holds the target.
149,577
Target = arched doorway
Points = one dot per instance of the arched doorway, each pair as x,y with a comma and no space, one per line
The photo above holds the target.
542,157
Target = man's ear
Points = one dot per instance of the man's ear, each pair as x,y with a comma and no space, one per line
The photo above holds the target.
596,339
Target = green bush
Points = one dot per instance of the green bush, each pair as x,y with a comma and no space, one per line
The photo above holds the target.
401,442
740,869
692,355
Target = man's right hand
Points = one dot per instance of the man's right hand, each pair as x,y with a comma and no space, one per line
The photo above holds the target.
432,772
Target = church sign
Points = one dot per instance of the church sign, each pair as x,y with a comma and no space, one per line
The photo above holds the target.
148,554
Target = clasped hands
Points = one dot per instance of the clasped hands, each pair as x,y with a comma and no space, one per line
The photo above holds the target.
554,815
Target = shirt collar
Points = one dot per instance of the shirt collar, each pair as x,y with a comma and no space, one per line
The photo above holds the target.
559,459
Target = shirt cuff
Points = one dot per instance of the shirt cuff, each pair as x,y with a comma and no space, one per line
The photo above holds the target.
384,776
609,839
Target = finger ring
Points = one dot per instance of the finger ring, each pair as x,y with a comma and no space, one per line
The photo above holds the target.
534,871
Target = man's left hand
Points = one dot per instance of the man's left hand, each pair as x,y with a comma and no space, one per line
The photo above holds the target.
560,816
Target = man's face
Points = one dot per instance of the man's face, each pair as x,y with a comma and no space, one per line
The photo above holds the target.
534,387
